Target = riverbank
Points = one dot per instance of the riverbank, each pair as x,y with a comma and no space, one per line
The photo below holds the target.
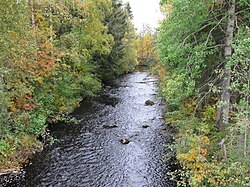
207,155
12,162
204,64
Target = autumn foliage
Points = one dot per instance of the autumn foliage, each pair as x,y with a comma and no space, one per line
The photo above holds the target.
50,54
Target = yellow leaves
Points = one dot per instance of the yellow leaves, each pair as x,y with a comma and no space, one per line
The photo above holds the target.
21,148
195,159
209,113
193,155
145,50
190,156
198,177
39,80
161,72
82,4
204,140
166,9
65,66
62,109
189,106
203,151
96,39
215,3
12,107
13,34
22,103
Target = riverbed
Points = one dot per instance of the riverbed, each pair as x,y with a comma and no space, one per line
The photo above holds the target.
93,153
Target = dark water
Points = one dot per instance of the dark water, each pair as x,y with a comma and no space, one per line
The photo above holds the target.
89,155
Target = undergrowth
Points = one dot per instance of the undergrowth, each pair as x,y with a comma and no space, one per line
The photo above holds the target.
209,157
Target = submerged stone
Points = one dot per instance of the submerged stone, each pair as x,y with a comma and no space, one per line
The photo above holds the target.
149,103
124,141
145,126
109,126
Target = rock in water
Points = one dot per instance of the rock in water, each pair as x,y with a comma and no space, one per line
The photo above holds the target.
124,141
149,103
145,126
109,126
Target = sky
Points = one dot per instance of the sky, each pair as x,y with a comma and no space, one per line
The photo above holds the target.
145,12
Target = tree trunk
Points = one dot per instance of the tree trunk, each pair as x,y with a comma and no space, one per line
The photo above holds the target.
222,117
31,4
2,104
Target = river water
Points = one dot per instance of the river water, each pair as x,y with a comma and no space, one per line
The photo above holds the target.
89,155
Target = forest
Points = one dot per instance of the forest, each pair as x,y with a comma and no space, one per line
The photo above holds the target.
205,72
55,54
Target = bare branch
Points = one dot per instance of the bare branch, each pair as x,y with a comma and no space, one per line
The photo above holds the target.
214,28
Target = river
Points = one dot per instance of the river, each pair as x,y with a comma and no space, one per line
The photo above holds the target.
89,154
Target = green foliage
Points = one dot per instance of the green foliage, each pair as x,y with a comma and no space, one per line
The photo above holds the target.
191,46
128,61
122,57
184,50
176,88
201,156
3,147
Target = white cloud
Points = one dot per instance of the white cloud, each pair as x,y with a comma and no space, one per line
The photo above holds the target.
145,12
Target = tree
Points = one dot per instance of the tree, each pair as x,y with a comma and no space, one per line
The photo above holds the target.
128,61
223,111
118,23
129,10
204,50
146,49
